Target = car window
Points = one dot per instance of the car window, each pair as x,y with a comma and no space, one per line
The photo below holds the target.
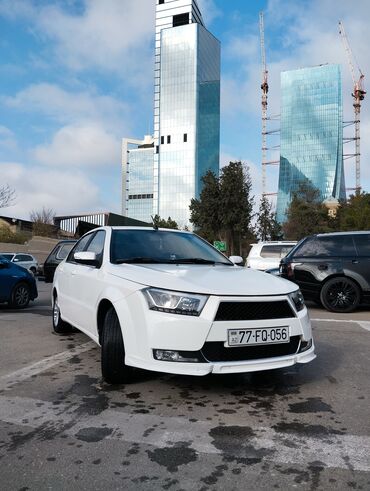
9,257
63,250
334,246
97,243
80,246
271,251
162,246
28,258
21,257
362,244
285,250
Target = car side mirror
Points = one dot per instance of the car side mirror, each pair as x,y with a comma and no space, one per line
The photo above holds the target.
86,257
238,260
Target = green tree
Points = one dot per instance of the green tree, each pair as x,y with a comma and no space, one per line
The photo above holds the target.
225,207
205,211
306,214
267,228
354,214
236,204
162,223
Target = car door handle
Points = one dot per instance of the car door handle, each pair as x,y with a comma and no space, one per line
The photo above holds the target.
323,267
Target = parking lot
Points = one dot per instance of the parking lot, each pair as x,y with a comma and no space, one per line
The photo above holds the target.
61,427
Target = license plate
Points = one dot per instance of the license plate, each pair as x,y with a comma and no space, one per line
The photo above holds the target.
267,335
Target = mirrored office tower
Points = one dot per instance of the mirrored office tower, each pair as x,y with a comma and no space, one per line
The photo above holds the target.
186,107
311,135
137,178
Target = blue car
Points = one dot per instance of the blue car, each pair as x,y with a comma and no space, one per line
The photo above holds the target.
17,285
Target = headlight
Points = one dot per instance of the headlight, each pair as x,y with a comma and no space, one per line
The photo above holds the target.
174,302
298,300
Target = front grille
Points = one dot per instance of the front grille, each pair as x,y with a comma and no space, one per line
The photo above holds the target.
216,351
248,311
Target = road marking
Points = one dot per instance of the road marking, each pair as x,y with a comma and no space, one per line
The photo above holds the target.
364,324
332,450
9,380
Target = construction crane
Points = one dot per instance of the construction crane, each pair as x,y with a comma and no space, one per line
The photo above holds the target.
358,96
265,89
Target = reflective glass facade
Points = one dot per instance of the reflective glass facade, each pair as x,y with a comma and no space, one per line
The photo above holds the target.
140,195
311,134
137,178
187,107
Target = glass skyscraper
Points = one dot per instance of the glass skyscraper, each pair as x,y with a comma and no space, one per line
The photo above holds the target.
311,134
137,178
186,107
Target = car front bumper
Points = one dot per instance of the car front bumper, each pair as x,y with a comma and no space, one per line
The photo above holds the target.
145,331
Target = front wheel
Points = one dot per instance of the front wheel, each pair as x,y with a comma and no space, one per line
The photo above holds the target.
113,366
21,296
340,295
59,325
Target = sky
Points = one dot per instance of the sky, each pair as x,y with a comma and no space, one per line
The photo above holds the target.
76,76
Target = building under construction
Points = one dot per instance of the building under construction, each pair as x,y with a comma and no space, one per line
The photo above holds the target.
311,133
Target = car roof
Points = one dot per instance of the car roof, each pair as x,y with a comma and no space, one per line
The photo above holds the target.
275,242
356,232
144,228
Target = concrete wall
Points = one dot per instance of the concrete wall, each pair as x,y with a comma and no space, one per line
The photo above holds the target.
40,247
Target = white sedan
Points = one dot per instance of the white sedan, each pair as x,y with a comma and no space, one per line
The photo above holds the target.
166,300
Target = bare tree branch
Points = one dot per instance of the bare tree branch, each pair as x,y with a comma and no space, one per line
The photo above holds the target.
43,221
7,196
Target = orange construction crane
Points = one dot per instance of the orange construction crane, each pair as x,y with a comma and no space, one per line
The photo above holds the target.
358,96
265,89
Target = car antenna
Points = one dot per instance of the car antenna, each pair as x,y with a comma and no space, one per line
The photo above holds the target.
155,225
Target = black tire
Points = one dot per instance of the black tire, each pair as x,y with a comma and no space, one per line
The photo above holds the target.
340,295
59,325
114,370
21,296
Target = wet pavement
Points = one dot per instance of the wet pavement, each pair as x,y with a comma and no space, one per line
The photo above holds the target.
62,427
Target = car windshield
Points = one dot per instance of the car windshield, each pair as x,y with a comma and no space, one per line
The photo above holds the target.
9,257
159,246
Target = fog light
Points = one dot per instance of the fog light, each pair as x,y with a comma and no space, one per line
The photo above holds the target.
305,345
169,355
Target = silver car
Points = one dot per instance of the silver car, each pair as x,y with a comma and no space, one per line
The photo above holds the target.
25,260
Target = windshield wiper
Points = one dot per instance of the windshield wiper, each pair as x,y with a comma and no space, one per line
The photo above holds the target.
138,259
196,260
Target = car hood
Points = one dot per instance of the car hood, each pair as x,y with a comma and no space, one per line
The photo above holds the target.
211,280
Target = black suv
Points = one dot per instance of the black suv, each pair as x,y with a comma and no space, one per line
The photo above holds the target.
333,269
60,252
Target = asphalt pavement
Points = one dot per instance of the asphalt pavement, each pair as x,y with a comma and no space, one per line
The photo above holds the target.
63,428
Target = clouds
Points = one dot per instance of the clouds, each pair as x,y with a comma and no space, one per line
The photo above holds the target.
64,191
298,34
107,35
80,146
69,106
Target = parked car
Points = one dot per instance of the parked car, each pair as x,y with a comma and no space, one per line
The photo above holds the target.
22,259
168,301
56,256
17,285
333,269
267,255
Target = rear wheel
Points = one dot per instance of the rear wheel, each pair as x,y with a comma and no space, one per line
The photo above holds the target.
340,295
113,366
21,296
59,325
